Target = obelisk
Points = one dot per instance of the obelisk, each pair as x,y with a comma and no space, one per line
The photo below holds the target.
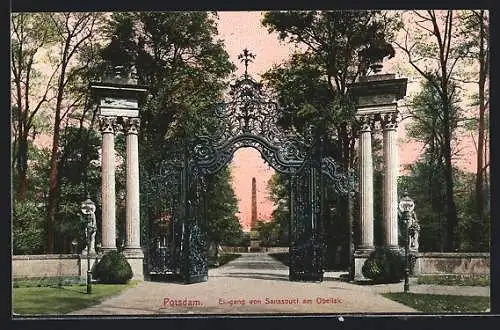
253,222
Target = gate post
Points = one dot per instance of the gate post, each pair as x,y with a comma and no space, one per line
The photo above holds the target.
376,97
118,96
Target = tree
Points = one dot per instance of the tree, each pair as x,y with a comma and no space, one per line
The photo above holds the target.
73,31
476,32
78,173
221,205
268,233
428,126
28,226
338,47
433,51
31,34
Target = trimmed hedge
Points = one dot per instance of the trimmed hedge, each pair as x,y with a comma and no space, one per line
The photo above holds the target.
113,268
384,266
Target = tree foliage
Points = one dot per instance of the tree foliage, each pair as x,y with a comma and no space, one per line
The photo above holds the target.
268,233
334,49
220,207
31,34
433,49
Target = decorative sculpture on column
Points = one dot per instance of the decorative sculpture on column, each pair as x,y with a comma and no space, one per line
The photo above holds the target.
413,231
92,224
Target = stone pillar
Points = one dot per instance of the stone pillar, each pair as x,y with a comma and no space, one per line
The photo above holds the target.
366,184
391,169
107,126
133,225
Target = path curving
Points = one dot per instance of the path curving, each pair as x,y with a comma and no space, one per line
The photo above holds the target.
254,283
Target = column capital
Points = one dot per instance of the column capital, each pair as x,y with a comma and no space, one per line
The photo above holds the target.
389,121
131,125
366,123
108,124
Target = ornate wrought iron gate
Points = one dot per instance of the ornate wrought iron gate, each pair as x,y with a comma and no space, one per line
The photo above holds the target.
249,119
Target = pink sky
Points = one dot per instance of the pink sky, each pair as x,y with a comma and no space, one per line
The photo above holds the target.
241,30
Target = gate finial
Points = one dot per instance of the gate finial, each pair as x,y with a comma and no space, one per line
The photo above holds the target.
246,57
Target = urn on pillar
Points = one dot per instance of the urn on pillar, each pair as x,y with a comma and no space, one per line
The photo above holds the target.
118,94
119,98
376,98
378,94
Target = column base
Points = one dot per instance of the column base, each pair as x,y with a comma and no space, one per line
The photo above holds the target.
135,257
133,252
360,256
105,250
393,247
364,250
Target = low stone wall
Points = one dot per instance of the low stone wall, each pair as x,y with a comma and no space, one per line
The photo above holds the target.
243,249
49,265
62,265
438,263
434,263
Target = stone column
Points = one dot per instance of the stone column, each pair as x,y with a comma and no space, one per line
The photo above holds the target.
391,169
108,126
133,224
366,184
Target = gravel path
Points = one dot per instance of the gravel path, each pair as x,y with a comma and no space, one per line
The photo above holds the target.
253,283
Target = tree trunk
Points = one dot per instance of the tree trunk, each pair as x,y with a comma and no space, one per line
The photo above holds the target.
481,123
22,167
451,209
52,200
53,177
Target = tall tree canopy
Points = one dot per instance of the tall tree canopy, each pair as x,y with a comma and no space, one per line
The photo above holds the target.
334,49
435,50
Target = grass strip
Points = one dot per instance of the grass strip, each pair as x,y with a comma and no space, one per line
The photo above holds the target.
62,300
436,303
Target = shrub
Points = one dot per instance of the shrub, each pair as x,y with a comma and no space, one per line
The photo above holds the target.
384,266
113,268
28,235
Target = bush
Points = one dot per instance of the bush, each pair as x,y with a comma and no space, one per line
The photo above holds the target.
384,266
28,235
113,268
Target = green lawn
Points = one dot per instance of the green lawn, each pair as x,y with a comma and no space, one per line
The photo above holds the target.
434,303
61,300
469,280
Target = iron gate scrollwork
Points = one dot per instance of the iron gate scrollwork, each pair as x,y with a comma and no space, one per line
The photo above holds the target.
164,246
248,119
